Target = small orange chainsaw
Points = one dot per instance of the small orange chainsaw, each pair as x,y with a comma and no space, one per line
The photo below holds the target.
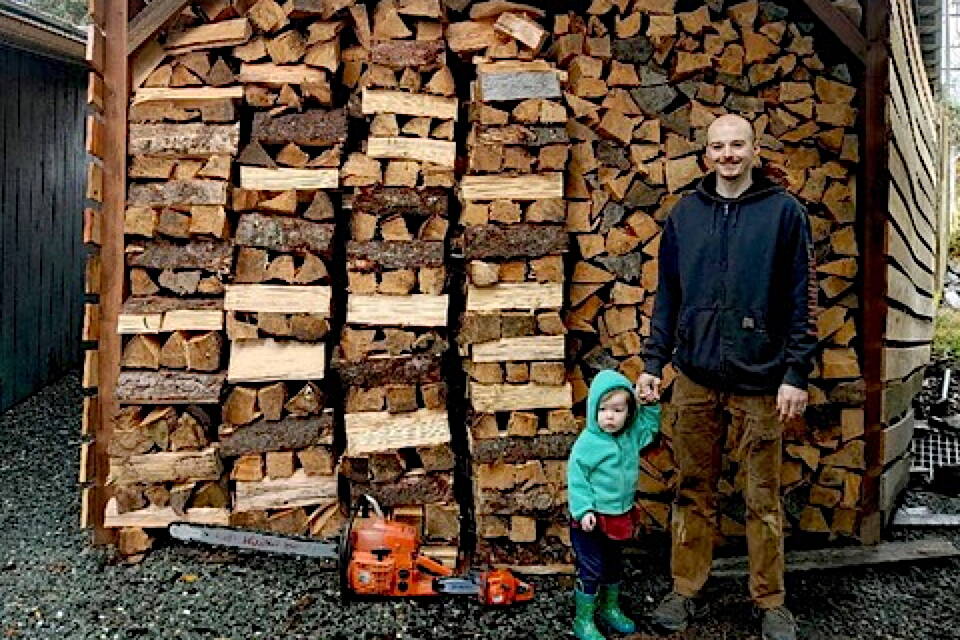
377,557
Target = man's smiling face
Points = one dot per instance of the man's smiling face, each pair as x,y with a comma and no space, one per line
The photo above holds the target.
730,147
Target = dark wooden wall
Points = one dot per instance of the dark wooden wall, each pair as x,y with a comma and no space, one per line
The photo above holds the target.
42,164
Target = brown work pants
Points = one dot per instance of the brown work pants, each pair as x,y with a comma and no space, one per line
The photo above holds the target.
706,419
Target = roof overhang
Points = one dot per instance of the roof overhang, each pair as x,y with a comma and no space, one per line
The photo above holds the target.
23,28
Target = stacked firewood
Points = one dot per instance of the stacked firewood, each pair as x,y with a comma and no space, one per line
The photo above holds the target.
645,81
511,333
398,438
228,248
403,84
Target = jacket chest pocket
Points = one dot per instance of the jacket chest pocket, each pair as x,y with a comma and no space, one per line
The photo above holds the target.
753,340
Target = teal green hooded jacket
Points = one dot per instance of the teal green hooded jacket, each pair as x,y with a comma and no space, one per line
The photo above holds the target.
602,469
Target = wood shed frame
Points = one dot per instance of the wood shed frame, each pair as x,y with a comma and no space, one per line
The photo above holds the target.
901,227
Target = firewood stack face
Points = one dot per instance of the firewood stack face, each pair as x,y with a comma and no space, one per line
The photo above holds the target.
228,242
398,439
646,78
247,116
511,335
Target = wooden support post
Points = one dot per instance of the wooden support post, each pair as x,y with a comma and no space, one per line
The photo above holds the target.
874,196
116,78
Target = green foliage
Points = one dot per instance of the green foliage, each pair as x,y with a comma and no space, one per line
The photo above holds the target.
951,111
72,11
953,248
946,332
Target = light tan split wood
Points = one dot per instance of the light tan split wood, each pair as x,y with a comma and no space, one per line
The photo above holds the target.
267,360
268,298
418,310
373,432
264,179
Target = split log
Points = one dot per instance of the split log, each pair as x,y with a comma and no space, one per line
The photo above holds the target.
265,298
169,387
268,359
377,432
185,466
402,54
210,255
286,434
184,139
397,370
400,201
178,193
420,310
257,178
283,234
517,450
409,104
313,127
511,241
298,490
430,488
395,254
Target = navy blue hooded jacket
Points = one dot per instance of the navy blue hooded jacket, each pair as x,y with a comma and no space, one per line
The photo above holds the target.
736,294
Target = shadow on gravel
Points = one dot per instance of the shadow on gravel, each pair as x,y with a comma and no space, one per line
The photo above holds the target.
54,585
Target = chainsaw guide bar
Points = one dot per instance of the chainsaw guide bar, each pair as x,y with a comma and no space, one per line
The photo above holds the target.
253,541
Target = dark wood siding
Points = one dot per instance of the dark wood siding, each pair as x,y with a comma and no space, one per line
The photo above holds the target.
41,202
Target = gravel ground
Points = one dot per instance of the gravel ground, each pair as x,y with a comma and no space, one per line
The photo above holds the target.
54,585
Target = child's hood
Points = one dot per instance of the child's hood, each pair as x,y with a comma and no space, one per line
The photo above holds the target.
605,382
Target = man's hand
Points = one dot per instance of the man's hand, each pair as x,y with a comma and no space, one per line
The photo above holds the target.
791,402
648,387
588,522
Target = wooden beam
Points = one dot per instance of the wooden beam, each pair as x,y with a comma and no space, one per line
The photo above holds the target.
148,21
818,559
111,256
874,194
842,27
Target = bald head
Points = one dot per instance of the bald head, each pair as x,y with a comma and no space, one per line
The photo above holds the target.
730,126
731,152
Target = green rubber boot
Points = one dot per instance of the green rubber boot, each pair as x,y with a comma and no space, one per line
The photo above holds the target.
583,625
609,611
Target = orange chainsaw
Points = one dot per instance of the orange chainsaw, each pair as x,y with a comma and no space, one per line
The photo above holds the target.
377,557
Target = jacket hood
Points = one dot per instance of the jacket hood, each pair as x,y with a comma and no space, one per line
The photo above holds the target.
761,185
707,190
605,382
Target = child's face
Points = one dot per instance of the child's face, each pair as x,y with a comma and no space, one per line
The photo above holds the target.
614,407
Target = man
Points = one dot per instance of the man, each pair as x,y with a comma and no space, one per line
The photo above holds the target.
734,314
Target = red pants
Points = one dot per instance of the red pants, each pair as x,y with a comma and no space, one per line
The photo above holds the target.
706,419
